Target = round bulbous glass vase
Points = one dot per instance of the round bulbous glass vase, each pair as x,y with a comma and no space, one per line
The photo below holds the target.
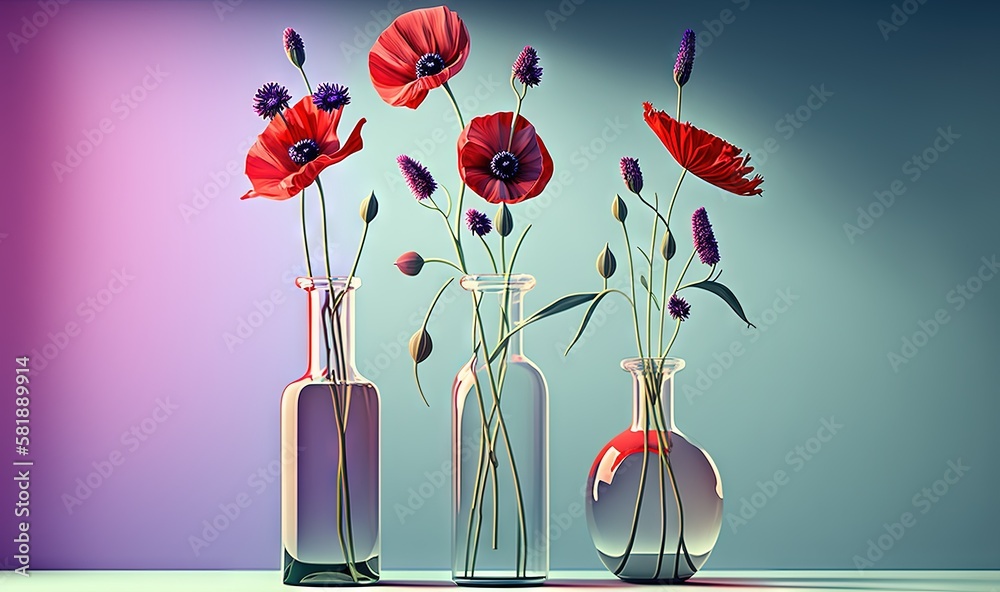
653,498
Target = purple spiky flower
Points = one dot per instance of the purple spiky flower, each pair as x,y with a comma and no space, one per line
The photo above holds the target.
478,222
270,100
294,47
685,58
632,174
330,97
704,237
421,183
526,68
678,308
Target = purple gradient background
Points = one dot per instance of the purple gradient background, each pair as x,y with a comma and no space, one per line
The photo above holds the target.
159,339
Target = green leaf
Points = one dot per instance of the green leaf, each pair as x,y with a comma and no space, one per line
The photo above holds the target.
726,294
590,312
642,280
557,306
645,256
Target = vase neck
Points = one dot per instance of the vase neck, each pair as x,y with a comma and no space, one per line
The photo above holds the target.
331,328
509,291
652,392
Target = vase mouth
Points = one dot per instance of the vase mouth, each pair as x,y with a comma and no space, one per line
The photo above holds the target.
337,282
666,365
497,282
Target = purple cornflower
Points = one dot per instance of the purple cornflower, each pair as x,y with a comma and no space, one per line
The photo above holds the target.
294,47
685,58
678,308
704,237
329,97
632,174
526,68
421,183
478,222
270,100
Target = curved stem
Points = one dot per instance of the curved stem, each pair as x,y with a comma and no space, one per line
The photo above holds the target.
444,261
680,278
517,110
631,273
306,80
461,190
489,252
455,235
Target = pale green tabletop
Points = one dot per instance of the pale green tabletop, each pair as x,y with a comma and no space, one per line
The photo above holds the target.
731,581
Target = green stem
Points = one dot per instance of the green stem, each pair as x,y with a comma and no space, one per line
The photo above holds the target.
666,264
649,287
305,233
306,80
489,252
461,190
631,273
444,261
517,110
455,236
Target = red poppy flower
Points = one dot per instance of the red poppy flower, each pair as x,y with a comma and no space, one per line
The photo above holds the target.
498,173
418,52
288,157
707,156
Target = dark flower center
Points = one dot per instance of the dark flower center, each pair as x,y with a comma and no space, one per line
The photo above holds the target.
504,165
429,64
303,151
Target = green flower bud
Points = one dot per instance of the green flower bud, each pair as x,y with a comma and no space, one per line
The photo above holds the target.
421,346
369,208
667,246
504,222
618,208
606,264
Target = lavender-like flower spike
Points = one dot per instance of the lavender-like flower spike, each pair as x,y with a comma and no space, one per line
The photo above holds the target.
678,308
270,100
330,97
478,222
685,58
526,68
421,183
294,47
632,174
704,237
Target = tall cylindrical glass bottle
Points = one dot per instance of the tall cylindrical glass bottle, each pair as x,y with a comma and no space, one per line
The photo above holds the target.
330,524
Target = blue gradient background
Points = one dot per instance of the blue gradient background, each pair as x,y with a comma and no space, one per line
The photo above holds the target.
824,357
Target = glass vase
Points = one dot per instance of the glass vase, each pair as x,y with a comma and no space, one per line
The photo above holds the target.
500,447
330,524
653,499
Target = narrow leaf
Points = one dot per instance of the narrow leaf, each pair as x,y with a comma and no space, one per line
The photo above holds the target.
642,280
726,294
589,313
557,306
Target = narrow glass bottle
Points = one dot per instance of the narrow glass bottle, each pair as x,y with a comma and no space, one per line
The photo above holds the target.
500,449
330,524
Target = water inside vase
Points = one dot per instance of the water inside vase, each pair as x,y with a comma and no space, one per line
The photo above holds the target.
315,537
612,493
